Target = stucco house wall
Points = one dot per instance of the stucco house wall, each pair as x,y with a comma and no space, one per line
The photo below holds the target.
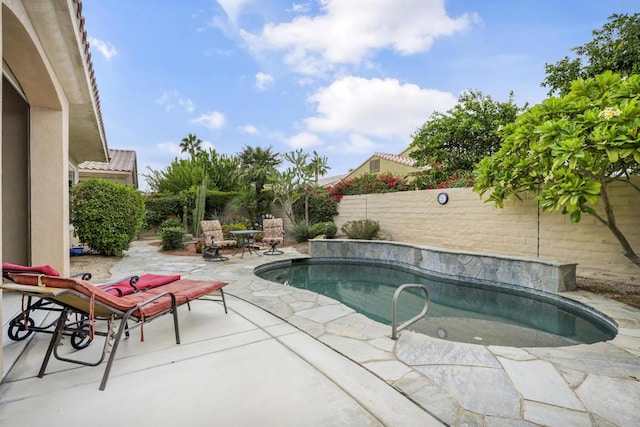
48,74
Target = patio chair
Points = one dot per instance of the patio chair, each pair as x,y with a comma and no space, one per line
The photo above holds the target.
273,235
82,297
214,240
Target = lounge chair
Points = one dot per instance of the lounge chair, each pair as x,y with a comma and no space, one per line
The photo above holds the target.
214,240
23,325
273,234
133,310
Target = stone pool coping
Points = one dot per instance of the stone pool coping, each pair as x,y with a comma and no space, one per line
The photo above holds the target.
543,275
462,384
472,384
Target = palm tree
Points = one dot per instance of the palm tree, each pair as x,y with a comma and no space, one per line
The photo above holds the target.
191,144
256,165
319,165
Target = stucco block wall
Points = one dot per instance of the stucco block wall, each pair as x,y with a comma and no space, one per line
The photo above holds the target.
467,223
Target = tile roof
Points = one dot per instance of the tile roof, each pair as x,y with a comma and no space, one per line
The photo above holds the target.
119,160
396,158
331,180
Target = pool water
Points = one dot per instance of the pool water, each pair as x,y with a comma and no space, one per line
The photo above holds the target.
478,313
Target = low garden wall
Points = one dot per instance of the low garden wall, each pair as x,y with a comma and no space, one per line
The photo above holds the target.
520,229
535,274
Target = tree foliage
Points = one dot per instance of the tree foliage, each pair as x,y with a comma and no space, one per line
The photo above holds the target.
256,166
570,149
185,174
369,183
615,47
288,186
458,139
106,215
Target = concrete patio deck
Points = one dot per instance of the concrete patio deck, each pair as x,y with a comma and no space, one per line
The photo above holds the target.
285,356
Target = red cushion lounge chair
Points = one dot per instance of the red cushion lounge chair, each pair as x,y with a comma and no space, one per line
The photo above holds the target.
23,325
79,296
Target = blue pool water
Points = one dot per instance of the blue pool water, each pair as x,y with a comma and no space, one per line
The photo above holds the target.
481,313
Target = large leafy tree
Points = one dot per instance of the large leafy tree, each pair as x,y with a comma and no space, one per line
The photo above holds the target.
457,140
615,47
186,174
569,150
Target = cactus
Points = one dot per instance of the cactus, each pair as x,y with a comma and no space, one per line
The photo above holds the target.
198,212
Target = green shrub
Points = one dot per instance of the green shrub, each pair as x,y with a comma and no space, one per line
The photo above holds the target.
172,222
300,232
364,229
105,215
227,228
160,207
322,206
172,238
329,229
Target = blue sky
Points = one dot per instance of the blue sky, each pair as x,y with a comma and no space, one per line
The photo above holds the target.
345,78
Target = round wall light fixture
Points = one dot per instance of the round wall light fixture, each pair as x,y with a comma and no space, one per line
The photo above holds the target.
443,198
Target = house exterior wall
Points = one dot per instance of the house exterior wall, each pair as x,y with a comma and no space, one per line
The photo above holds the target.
124,178
44,54
394,168
467,223
48,138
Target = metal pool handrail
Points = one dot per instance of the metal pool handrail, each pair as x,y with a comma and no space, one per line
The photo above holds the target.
394,322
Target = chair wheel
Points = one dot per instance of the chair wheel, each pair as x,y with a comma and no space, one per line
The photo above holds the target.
18,330
81,337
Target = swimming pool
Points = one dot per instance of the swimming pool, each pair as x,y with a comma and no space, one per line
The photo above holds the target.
473,312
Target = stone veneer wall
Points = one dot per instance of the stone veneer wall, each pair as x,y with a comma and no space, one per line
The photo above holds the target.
466,223
539,275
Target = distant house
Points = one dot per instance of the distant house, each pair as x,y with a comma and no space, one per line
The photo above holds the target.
122,168
330,180
396,164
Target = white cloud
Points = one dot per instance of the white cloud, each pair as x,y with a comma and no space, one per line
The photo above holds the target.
232,8
263,80
358,144
349,32
300,7
213,120
303,140
187,104
169,100
106,49
207,145
249,129
304,81
375,107
170,148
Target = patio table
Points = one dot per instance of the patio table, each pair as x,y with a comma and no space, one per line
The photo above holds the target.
248,242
